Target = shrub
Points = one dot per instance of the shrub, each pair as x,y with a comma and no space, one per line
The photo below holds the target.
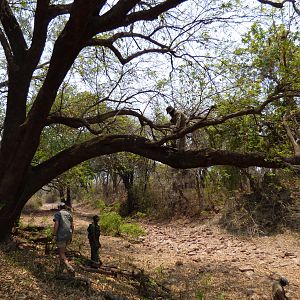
263,211
101,205
110,223
131,229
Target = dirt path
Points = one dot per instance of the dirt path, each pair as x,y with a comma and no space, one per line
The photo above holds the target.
198,259
194,258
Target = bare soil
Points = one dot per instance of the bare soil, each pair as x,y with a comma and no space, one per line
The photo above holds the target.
189,259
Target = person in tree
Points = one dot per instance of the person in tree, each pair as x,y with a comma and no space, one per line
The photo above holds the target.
62,232
94,236
178,120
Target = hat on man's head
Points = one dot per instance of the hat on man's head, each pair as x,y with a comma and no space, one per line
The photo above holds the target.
283,281
61,205
169,109
96,218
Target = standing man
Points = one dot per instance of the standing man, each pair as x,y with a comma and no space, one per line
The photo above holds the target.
93,236
179,119
278,292
62,232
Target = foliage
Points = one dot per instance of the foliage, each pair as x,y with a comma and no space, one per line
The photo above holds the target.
221,297
263,211
100,204
131,229
90,90
200,295
110,223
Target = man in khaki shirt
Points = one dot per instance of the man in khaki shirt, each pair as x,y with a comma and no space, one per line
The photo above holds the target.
62,232
179,120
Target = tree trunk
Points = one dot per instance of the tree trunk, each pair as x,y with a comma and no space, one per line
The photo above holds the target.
10,212
69,200
130,201
200,185
61,193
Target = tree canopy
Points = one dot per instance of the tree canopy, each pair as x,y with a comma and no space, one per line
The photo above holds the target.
85,70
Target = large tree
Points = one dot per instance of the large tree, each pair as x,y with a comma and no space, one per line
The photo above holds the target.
26,32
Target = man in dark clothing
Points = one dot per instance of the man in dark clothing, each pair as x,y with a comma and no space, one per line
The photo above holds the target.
62,233
93,236
179,120
278,292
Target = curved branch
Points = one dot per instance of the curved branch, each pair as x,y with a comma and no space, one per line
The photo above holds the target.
209,122
82,122
200,123
124,61
296,8
274,4
48,170
281,4
120,35
120,18
154,12
109,44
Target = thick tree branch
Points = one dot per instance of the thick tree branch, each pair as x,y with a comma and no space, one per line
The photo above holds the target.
70,41
98,146
41,22
115,18
275,4
281,4
58,10
82,122
109,44
66,49
63,9
6,82
120,35
13,31
153,12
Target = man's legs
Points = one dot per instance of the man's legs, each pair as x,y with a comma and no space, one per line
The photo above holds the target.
62,257
94,255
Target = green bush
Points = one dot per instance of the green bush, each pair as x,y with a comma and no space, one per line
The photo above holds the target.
101,205
110,223
131,229
199,295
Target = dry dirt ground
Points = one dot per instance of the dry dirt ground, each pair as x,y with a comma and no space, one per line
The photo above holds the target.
185,260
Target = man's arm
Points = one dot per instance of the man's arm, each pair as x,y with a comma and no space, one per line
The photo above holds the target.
55,227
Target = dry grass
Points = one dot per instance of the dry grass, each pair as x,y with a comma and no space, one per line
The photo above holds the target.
193,260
